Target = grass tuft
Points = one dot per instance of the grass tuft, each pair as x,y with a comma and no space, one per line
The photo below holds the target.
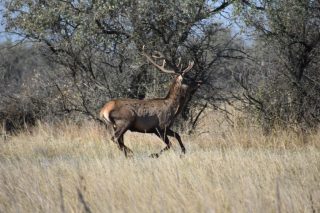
70,168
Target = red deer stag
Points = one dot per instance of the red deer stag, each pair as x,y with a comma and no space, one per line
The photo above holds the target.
153,115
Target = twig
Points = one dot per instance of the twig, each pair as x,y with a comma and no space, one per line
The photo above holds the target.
62,207
278,200
83,202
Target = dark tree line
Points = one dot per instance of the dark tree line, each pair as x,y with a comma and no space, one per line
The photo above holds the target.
92,53
282,83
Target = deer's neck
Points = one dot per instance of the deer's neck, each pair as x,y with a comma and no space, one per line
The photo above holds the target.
173,104
174,98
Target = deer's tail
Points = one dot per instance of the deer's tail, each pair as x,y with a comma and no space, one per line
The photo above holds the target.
105,112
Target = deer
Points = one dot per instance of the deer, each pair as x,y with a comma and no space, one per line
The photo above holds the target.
151,115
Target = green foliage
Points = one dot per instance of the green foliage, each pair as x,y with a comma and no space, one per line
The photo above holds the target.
98,45
290,36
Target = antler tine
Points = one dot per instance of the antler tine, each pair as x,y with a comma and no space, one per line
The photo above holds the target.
179,61
162,67
191,63
180,68
160,55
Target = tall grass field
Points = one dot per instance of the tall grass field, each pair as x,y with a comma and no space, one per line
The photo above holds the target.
72,168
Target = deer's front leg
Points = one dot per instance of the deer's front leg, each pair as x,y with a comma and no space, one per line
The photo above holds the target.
177,136
163,136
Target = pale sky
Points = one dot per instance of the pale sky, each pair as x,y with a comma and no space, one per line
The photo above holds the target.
3,37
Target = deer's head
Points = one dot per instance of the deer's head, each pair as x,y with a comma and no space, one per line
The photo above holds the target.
187,86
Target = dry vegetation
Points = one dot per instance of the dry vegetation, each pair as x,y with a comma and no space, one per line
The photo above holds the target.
68,168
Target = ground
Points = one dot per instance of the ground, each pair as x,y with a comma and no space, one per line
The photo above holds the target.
67,168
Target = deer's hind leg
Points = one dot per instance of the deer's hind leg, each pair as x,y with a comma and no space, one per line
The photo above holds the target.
120,129
127,151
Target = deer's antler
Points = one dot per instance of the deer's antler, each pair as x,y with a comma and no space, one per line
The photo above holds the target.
191,63
160,56
162,68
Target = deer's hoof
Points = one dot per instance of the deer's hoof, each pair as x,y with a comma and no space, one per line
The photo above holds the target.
154,155
129,155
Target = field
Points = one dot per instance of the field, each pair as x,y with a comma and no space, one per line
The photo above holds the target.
71,168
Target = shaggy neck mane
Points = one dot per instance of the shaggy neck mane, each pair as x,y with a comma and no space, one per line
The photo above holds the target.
174,90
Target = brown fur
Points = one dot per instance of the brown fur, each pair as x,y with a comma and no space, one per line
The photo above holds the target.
150,116
147,116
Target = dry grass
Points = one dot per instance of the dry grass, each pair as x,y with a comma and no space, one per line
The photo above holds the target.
75,169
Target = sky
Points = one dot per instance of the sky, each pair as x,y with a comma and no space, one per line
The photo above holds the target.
1,22
3,36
